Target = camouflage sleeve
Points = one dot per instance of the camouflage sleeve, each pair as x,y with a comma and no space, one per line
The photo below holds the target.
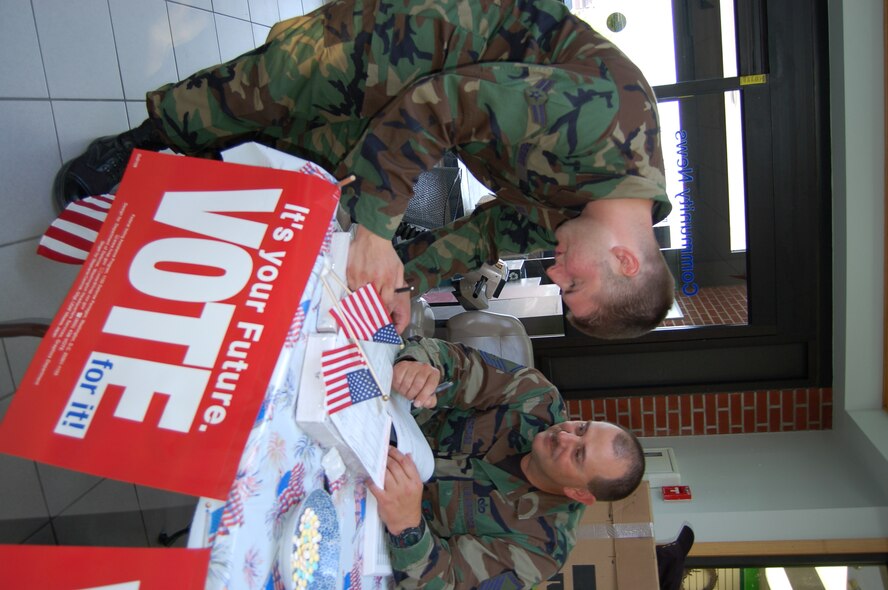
468,561
480,380
491,231
481,108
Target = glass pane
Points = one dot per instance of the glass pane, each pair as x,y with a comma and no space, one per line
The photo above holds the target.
704,239
636,27
669,42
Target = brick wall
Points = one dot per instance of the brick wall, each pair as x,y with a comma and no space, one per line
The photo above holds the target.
713,413
712,306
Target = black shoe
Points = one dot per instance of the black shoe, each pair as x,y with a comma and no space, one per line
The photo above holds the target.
671,559
99,169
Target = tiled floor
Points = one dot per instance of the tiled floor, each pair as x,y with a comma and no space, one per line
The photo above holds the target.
72,71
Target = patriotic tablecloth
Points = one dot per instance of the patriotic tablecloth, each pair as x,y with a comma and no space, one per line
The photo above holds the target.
280,467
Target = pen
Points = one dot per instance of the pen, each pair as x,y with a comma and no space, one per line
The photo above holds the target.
403,289
443,387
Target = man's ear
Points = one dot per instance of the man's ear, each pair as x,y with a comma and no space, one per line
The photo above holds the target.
582,495
629,264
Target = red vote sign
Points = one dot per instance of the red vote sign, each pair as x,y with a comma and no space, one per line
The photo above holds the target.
155,366
37,567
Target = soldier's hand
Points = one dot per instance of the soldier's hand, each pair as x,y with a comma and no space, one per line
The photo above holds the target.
417,382
372,259
400,503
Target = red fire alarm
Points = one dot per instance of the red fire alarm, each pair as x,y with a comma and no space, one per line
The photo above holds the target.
676,493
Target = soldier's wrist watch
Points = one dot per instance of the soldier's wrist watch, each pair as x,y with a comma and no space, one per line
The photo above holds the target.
409,536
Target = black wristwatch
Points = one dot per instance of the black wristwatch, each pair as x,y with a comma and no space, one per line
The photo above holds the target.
408,537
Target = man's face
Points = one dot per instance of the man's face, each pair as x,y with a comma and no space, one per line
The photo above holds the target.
572,453
577,270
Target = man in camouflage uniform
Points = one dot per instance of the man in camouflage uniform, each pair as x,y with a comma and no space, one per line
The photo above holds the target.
511,477
542,109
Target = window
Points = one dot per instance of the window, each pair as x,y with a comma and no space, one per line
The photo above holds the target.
742,93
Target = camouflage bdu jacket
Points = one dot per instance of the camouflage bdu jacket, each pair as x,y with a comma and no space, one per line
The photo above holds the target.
540,107
486,528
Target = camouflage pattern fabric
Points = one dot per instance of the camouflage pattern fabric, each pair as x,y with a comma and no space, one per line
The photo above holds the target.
486,528
541,108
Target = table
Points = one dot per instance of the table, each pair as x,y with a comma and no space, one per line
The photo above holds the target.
280,466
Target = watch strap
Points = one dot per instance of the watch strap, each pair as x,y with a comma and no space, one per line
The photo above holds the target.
409,536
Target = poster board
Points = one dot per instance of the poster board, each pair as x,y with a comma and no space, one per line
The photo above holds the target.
153,369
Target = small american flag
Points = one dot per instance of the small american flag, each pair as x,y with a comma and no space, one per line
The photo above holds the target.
363,312
347,378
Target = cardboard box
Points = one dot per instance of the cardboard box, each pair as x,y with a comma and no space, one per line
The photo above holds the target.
615,548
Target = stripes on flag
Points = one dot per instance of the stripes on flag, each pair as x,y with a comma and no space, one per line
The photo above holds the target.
347,378
364,314
72,235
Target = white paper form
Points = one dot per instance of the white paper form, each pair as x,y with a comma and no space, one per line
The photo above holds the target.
377,561
366,427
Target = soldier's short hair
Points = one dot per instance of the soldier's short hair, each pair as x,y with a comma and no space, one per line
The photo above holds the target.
628,449
629,307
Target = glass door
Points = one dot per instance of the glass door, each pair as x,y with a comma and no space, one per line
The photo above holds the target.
688,53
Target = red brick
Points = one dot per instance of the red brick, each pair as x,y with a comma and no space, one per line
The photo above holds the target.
648,424
610,409
749,420
786,399
761,407
647,403
736,408
773,398
748,399
672,402
660,405
801,396
635,412
685,412
573,409
622,405
624,422
826,395
774,420
661,419
723,400
814,410
724,422
699,423
598,406
801,418
586,410
674,423
710,410
827,418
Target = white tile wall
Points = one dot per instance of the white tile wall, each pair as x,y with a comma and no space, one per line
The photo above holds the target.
236,8
146,59
260,34
79,55
21,69
74,70
290,8
26,168
78,122
265,12
194,38
235,36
